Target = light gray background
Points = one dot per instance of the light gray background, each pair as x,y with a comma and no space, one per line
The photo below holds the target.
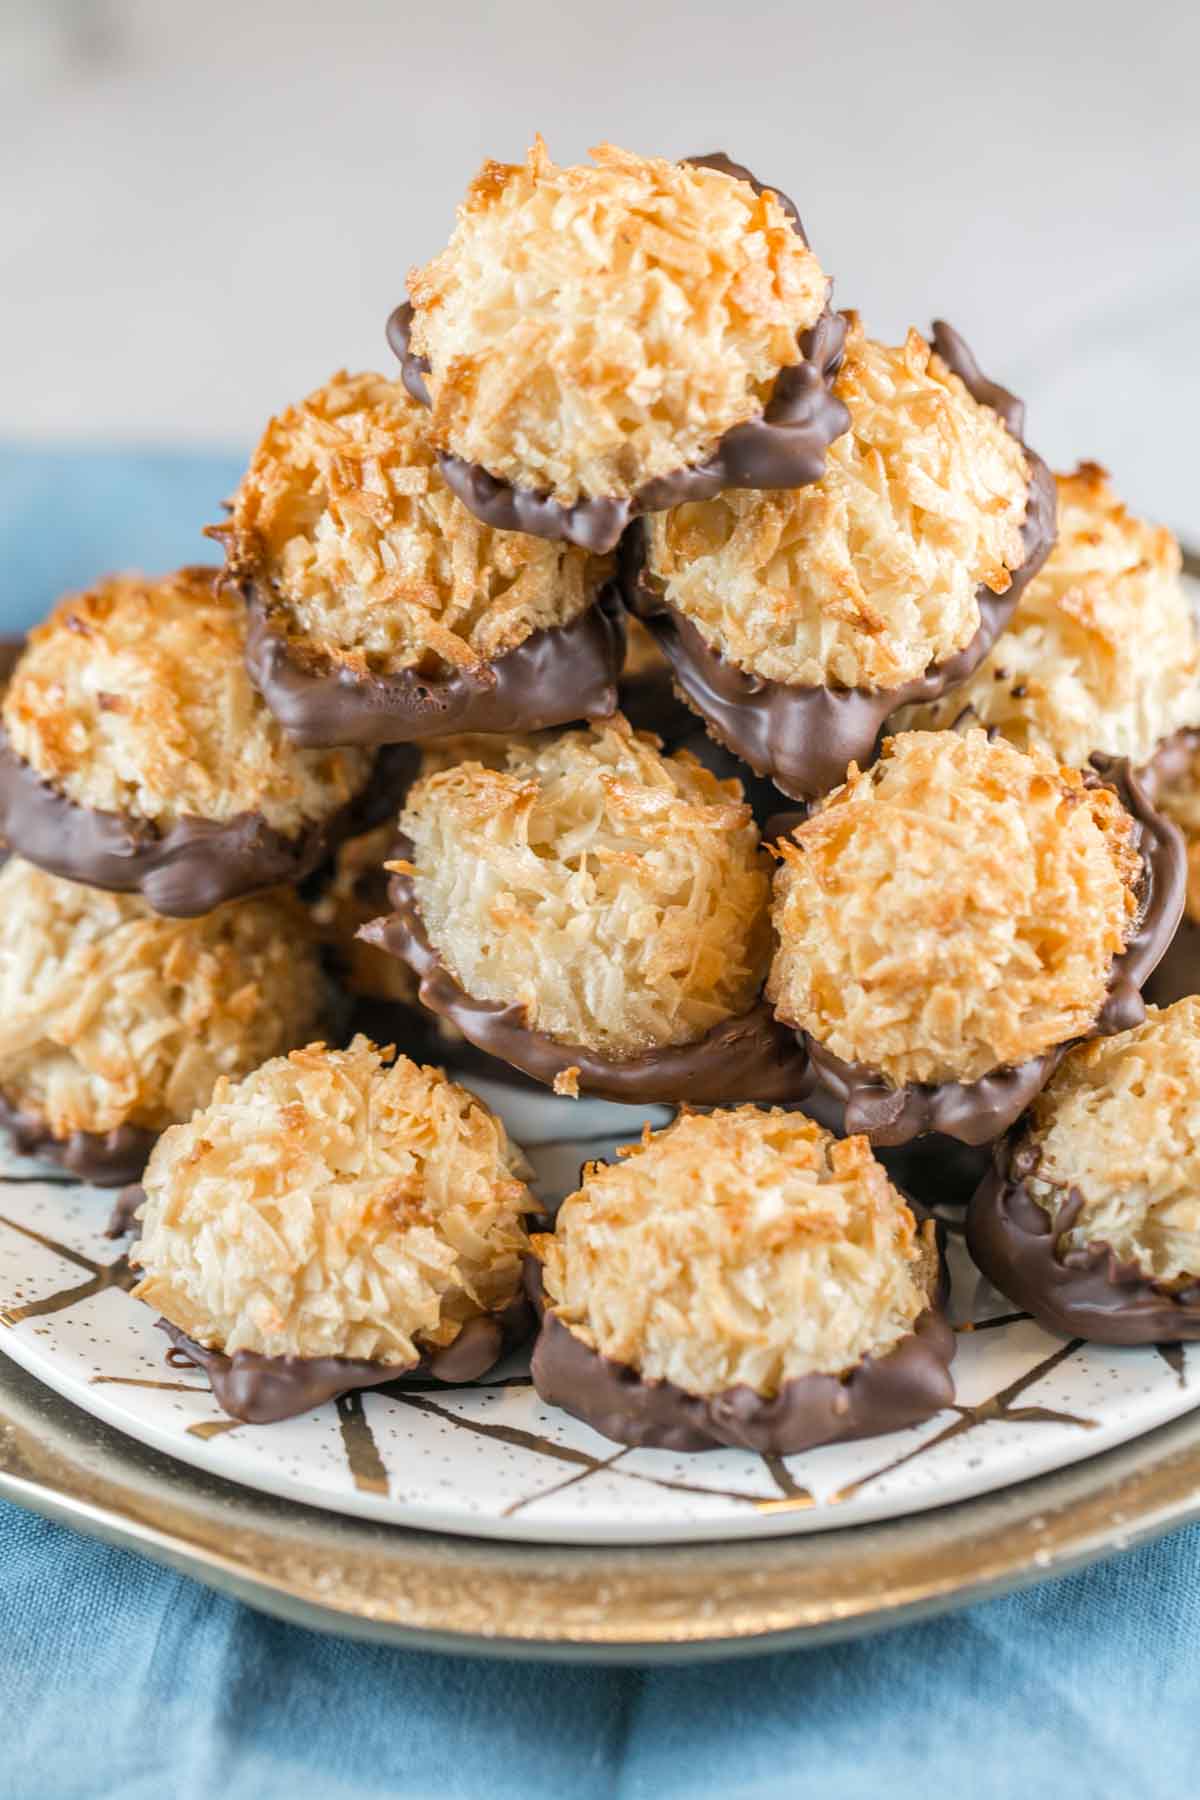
207,208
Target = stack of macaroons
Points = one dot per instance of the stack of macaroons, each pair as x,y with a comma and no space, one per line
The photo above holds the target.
631,459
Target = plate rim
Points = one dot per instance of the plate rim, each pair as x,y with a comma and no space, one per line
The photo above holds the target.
617,1604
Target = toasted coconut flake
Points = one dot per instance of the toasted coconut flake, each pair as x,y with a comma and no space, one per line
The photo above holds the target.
1102,650
953,910
618,894
870,575
112,1015
368,559
132,698
592,328
334,1204
1120,1123
740,1246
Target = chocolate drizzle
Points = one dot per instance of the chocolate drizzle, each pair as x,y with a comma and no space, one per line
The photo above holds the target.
906,1385
805,738
1087,1292
784,447
747,1058
553,676
263,1389
195,864
977,1112
107,1159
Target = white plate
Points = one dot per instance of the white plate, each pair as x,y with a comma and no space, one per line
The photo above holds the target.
489,1460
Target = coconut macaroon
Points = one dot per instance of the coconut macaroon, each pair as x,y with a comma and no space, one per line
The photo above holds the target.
797,621
135,753
743,1277
1091,1217
382,610
331,1221
116,1023
961,910
1101,653
591,334
592,911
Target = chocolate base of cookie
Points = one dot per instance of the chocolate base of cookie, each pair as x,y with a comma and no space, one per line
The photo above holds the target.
747,1058
805,738
1088,1292
195,864
905,1386
264,1389
106,1159
555,676
977,1112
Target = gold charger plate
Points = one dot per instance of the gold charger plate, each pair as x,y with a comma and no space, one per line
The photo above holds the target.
425,1590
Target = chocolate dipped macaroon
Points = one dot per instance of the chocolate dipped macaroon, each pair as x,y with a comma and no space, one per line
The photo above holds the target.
381,610
136,756
594,913
116,1023
1101,653
742,1278
603,340
951,919
797,621
1090,1216
333,1221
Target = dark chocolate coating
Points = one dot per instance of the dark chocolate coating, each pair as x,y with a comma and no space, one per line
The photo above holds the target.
107,1159
195,864
979,1111
936,1170
556,675
264,1389
906,1385
1171,760
121,1220
1088,1292
747,1058
783,448
805,738
1178,974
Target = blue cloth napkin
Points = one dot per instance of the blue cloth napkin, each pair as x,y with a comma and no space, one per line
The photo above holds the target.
120,1679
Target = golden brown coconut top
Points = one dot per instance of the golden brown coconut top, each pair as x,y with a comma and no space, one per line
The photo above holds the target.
954,909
